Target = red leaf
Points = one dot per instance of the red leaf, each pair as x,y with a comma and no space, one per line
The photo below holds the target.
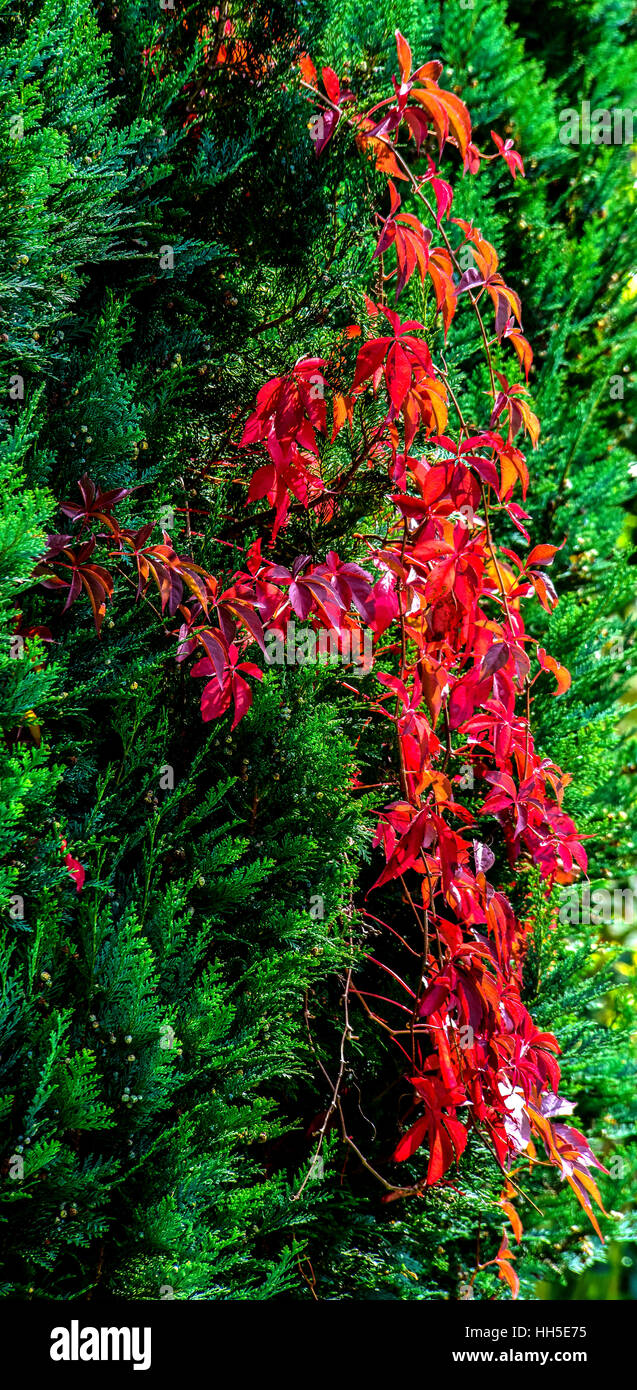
308,70
412,1140
397,374
509,154
562,675
404,56
370,357
543,554
76,870
332,85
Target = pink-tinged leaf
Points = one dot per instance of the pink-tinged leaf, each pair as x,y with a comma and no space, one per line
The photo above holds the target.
215,699
322,134
300,598
485,469
496,657
545,591
472,279
248,615
261,482
517,516
386,239
510,155
242,696
472,159
578,1141
217,651
444,197
484,858
396,685
381,607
